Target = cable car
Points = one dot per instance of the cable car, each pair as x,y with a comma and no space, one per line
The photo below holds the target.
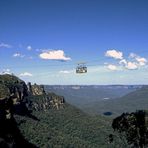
81,68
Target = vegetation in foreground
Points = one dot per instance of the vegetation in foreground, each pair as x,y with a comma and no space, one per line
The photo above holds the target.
68,127
133,126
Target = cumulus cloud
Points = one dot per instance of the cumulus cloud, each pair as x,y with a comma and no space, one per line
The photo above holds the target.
112,67
3,45
139,60
26,74
133,61
18,55
131,66
54,55
29,47
65,71
114,54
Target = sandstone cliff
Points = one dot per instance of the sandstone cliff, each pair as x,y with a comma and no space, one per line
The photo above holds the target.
46,102
41,100
32,96
35,89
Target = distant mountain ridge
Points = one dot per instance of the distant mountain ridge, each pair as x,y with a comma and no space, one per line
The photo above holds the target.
80,95
92,86
136,100
102,99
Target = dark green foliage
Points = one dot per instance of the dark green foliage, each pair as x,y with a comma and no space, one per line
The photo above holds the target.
10,84
134,127
10,135
68,127
9,80
4,91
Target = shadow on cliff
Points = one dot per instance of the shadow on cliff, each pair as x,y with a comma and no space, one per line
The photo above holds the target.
23,110
10,135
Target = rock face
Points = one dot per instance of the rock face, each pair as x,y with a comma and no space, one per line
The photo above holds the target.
34,96
40,100
56,101
46,102
35,89
11,86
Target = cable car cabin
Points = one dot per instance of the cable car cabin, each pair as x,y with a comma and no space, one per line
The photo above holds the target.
81,68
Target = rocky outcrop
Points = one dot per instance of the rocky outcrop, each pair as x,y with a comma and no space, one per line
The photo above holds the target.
33,96
41,100
46,102
35,89
56,101
12,86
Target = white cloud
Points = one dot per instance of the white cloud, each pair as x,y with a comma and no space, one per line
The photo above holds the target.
66,71
112,67
123,61
54,55
26,74
6,71
131,66
114,54
133,62
18,55
141,61
29,47
3,45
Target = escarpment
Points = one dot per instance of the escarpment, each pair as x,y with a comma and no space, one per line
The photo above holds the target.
41,100
35,89
28,97
18,98
22,99
46,102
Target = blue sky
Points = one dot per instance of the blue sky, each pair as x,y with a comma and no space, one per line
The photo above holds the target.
43,40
